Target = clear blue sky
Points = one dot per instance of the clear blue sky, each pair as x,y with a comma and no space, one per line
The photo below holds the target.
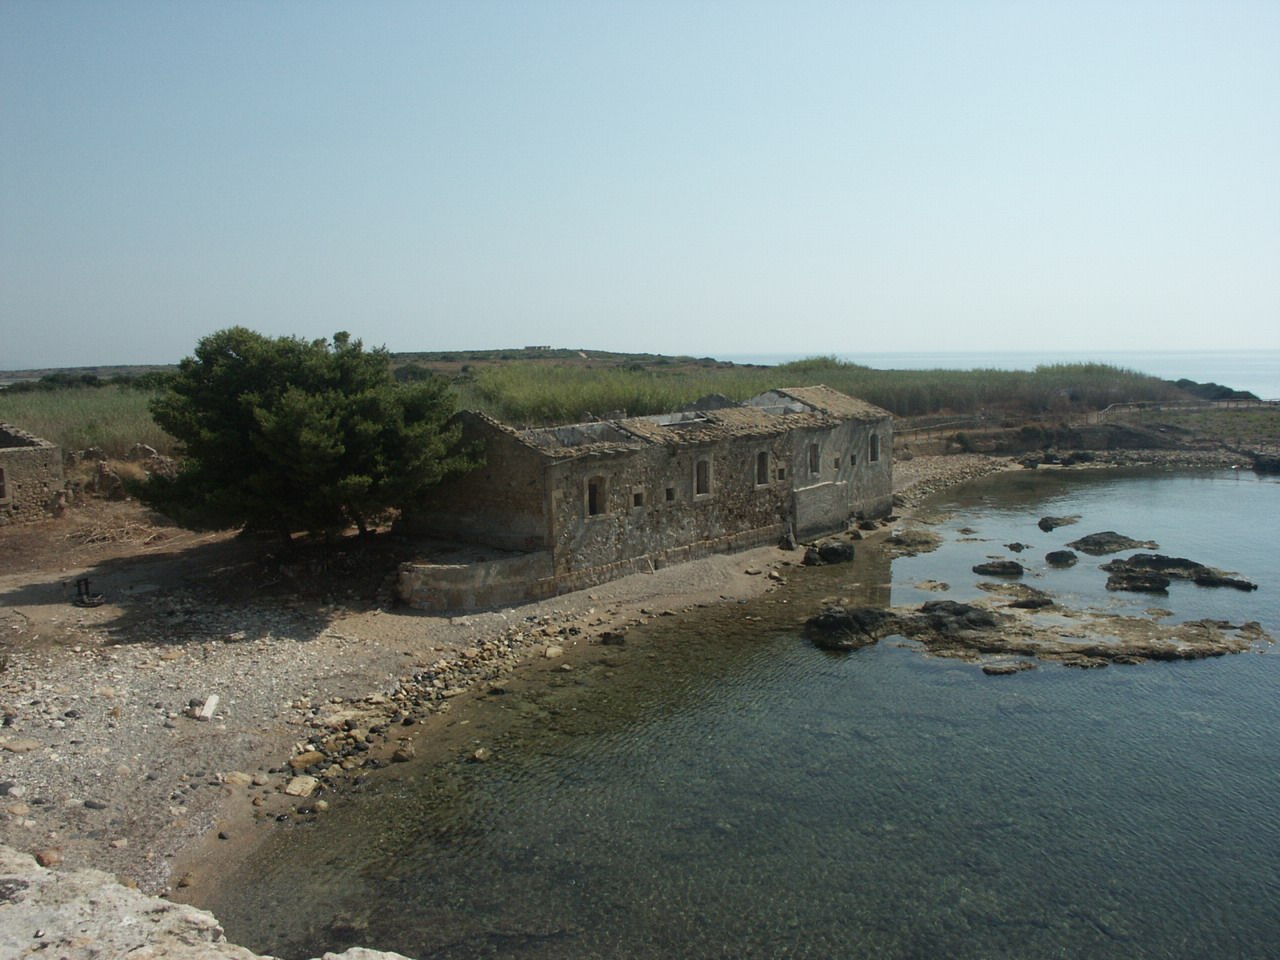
685,177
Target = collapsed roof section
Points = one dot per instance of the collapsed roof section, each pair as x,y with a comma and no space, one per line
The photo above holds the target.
709,420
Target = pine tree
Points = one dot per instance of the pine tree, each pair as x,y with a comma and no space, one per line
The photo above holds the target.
288,435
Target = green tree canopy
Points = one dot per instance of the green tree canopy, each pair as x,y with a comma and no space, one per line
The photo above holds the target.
288,435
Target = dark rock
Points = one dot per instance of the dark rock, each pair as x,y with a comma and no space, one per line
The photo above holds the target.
1060,558
1017,547
1108,541
1138,582
94,805
1032,603
1265,462
1211,578
951,616
1000,568
612,638
811,557
1178,568
1049,524
841,628
836,552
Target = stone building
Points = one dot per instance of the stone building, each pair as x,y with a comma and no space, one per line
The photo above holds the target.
31,478
580,504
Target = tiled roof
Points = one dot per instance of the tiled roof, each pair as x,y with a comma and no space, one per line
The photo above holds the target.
835,403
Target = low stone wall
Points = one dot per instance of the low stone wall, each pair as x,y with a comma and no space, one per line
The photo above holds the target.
32,483
529,577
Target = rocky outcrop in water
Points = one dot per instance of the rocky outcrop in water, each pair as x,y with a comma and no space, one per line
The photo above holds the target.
999,568
1108,541
1061,558
1176,568
1073,638
1135,582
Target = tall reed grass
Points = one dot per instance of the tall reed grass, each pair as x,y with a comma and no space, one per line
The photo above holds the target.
534,393
110,418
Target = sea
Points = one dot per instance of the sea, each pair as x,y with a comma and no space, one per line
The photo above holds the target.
718,787
1257,371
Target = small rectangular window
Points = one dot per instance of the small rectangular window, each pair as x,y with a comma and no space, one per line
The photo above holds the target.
782,473
836,463
637,498
702,478
671,494
762,468
595,496
815,467
4,488
874,453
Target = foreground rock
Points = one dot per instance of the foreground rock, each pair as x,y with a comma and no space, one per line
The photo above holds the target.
1081,639
1108,541
87,915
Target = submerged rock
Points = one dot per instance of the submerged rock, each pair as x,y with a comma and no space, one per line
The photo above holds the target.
1108,541
1049,524
1004,668
1061,558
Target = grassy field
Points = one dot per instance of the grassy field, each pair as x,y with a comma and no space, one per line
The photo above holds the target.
565,389
110,418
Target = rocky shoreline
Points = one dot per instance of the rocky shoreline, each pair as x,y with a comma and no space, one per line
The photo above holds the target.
122,750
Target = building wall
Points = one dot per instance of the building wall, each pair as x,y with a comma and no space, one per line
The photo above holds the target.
734,503
501,504
847,481
30,474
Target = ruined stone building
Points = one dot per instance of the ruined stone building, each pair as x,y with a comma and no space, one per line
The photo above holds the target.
584,503
31,477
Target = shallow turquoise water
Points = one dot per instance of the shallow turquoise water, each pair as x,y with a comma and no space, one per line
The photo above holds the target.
720,788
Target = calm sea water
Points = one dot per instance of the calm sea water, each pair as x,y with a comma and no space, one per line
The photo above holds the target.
718,787
1254,370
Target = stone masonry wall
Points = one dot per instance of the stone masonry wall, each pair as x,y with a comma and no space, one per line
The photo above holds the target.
650,502
31,476
500,504
846,480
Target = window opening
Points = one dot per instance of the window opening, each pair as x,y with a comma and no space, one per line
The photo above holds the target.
875,447
595,496
4,490
671,494
762,468
637,498
814,466
702,478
